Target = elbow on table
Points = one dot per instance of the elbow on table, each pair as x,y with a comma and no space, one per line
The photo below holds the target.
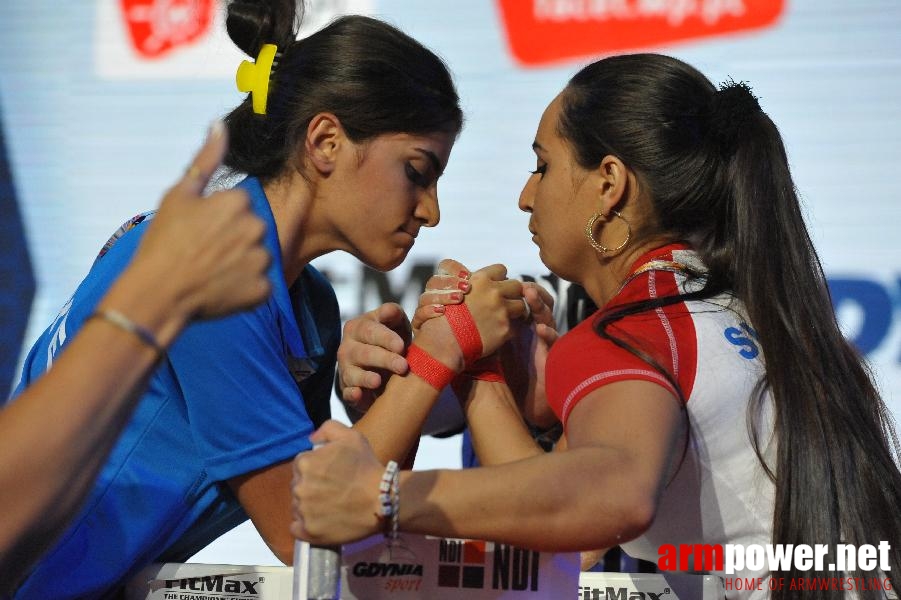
284,551
639,517
608,521
636,515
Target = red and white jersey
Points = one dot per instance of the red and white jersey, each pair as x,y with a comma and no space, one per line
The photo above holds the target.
720,494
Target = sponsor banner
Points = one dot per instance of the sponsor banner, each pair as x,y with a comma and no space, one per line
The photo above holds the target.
546,31
194,581
421,568
441,568
649,586
180,39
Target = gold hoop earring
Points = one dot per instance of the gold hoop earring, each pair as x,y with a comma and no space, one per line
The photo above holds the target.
589,231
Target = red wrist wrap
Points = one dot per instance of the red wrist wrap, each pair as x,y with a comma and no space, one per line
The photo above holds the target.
464,327
487,369
427,367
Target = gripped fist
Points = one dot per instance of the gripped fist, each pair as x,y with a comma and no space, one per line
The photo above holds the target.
372,348
492,301
335,488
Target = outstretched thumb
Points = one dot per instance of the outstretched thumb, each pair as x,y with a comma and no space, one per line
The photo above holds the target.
207,159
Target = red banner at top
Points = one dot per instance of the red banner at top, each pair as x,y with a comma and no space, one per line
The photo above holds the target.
157,26
545,31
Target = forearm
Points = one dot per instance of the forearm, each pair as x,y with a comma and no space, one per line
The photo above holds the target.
394,422
57,434
499,434
566,501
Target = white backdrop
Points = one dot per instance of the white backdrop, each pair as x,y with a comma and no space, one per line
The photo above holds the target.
104,101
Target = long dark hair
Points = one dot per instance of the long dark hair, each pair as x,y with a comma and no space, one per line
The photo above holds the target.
373,77
717,173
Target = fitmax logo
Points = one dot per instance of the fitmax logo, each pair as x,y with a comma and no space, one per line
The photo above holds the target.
620,593
215,583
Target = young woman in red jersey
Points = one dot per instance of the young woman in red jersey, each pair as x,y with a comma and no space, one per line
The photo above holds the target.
711,399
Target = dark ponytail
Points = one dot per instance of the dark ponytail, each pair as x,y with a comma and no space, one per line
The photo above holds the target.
836,478
716,171
372,76
251,24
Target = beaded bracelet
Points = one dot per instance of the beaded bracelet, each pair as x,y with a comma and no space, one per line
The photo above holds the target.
386,504
395,508
389,502
126,324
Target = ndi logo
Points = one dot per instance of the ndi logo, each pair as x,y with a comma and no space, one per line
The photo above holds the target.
462,564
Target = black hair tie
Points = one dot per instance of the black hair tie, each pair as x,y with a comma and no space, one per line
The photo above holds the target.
732,107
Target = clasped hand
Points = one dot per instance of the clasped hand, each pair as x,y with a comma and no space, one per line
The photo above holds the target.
374,344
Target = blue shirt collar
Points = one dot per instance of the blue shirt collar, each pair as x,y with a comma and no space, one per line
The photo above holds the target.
280,293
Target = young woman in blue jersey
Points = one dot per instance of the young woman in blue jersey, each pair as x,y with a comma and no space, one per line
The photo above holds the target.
712,399
342,140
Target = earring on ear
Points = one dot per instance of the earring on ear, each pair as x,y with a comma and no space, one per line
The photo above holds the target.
589,231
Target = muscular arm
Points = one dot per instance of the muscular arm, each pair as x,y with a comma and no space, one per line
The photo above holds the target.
498,431
497,421
624,441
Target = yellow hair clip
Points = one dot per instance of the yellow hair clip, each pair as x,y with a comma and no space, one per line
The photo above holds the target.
254,77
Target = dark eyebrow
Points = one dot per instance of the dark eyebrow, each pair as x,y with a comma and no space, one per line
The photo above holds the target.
433,158
536,147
